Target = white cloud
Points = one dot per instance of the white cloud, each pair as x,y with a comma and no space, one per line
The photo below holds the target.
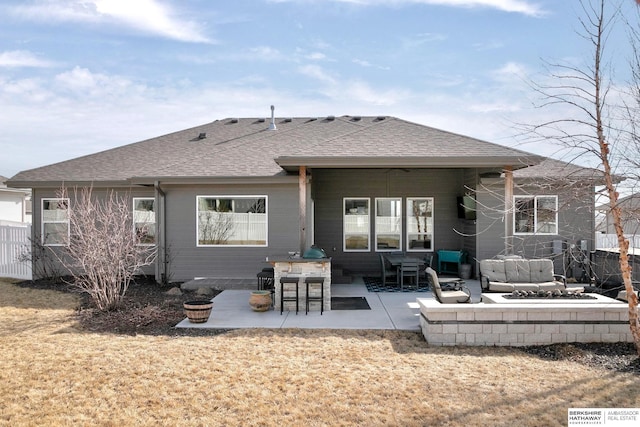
318,73
22,58
490,45
362,62
511,73
265,53
367,64
87,84
524,7
152,16
362,92
316,56
147,16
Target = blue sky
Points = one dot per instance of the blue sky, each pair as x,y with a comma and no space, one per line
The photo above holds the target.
81,76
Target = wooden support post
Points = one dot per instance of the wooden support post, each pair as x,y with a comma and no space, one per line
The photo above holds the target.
508,210
302,190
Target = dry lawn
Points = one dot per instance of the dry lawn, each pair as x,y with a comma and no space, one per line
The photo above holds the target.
53,373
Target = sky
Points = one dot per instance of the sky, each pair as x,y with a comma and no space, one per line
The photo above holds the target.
82,76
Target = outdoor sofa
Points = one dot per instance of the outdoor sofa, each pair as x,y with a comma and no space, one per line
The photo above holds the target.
508,275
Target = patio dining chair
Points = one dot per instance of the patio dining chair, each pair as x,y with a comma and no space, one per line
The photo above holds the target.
386,271
459,294
410,269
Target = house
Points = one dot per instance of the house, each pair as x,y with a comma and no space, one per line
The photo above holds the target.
15,204
222,197
630,216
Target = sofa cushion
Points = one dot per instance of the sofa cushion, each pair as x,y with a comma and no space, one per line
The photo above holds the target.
551,286
541,270
501,287
526,286
517,270
453,297
493,270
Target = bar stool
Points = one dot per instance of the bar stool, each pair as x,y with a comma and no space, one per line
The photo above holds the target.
283,280
315,280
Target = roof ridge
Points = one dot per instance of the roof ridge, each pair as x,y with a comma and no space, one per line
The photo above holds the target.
363,127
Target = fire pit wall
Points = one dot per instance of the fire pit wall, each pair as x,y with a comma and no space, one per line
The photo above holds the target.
522,324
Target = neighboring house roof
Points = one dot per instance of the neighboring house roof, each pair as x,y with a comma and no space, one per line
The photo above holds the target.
6,189
557,169
628,202
246,148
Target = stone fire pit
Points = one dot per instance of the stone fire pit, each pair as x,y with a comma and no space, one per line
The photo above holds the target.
565,294
499,320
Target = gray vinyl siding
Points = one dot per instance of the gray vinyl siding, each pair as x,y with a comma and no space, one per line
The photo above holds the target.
468,227
187,260
490,219
330,186
46,193
575,222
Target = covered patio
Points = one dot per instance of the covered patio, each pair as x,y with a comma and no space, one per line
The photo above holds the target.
389,310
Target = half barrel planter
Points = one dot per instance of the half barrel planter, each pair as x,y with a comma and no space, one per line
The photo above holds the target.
198,311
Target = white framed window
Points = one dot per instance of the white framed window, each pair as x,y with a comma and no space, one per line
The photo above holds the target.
535,215
356,224
55,222
419,224
231,220
388,224
144,220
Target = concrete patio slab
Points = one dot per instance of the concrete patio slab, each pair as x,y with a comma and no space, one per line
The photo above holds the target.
389,310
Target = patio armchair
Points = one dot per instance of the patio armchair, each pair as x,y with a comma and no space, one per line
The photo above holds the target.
387,271
460,293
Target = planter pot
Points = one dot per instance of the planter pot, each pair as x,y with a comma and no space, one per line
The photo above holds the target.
198,311
260,300
465,271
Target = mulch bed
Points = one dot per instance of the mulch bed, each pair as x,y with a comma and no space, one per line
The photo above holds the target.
149,310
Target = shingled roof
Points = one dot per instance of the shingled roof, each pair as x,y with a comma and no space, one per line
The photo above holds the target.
246,148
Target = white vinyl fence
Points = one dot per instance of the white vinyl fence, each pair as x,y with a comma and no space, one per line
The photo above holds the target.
13,242
609,241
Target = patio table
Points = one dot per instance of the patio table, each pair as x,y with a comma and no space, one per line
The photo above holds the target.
397,260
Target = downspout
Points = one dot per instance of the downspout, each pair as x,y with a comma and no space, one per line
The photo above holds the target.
302,194
161,229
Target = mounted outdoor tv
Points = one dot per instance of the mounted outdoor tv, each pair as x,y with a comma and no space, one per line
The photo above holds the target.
466,207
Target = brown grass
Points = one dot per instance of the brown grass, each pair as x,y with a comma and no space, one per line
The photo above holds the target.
53,373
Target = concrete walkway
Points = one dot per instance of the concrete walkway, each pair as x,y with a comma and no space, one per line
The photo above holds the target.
389,310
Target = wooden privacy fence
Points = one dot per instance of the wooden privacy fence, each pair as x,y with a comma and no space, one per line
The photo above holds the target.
13,242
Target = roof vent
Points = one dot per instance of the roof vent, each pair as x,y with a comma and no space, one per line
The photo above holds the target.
233,121
380,118
202,135
272,125
287,120
331,118
261,120
356,118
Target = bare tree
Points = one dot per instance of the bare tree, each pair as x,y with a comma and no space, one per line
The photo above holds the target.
103,254
594,129
215,227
